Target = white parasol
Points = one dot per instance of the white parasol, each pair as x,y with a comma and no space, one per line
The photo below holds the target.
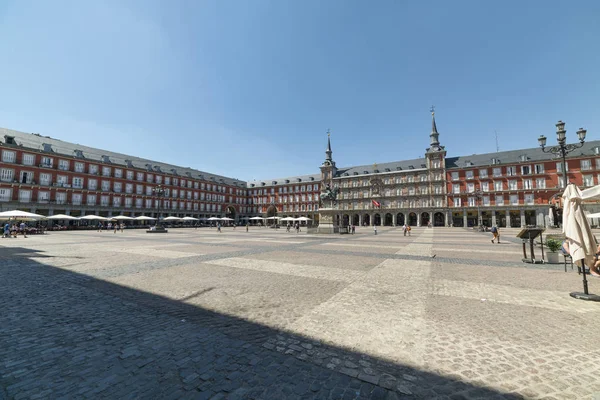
256,218
190,219
303,219
226,219
271,218
144,218
288,219
93,217
172,219
214,219
62,216
20,215
122,218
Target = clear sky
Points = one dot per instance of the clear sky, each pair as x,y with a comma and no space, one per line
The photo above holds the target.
248,88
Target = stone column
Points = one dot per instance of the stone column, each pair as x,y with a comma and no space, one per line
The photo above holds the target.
431,217
448,218
372,219
523,222
394,219
360,219
464,217
493,218
419,218
508,221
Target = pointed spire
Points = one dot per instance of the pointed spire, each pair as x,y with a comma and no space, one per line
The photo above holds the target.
434,133
328,152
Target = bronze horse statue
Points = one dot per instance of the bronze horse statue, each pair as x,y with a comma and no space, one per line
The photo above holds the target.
330,195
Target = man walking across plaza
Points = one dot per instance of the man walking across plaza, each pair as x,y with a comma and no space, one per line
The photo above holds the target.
375,229
496,234
404,229
23,228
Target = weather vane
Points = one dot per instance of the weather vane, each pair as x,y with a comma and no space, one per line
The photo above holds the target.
432,109
328,134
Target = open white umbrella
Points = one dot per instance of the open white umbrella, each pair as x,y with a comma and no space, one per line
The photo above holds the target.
214,219
303,219
226,219
288,219
190,219
594,215
172,219
122,218
93,217
20,215
62,216
273,218
144,218
578,234
256,218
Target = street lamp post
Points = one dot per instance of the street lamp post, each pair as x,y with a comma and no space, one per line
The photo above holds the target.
478,194
562,149
159,191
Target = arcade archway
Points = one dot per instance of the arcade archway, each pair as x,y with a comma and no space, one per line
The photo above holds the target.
388,219
366,219
399,219
230,212
424,219
355,220
438,219
377,220
412,219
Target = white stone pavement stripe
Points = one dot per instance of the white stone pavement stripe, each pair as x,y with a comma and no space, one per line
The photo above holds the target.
157,252
394,289
553,300
511,251
263,240
306,271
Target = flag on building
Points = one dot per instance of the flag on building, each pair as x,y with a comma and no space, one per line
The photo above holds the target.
376,203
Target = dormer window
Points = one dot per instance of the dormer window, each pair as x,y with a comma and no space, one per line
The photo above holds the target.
148,167
47,147
387,170
78,153
105,159
365,172
274,182
355,173
423,166
9,139
398,168
287,181
411,167
596,150
173,171
523,157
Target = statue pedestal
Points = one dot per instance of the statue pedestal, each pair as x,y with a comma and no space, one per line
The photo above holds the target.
326,224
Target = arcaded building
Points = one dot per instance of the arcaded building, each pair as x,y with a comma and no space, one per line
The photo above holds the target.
511,188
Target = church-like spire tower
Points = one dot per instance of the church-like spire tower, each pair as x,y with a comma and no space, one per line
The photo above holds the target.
328,152
435,136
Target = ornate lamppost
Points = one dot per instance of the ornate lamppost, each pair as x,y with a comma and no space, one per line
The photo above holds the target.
478,194
562,149
159,191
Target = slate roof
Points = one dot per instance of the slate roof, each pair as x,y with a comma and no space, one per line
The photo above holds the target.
534,154
288,180
394,166
59,147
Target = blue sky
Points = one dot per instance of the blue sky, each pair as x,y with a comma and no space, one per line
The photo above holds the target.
248,89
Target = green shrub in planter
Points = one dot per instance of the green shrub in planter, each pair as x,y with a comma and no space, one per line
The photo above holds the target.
553,245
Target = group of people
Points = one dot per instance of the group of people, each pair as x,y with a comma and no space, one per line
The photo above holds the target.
11,230
289,227
110,226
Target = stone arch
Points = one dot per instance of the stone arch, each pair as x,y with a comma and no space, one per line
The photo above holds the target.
366,219
355,219
272,211
400,219
377,219
345,220
388,220
412,219
424,218
438,219
230,212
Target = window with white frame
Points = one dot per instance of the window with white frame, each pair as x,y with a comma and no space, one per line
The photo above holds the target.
93,169
139,189
128,202
472,201
105,186
485,200
28,159
118,173
483,173
597,163
457,202
104,201
514,199
470,174
105,171
511,170
148,191
26,177
43,197
91,200
9,156
76,199
149,178
540,183
539,168
7,175
138,203
62,180
470,187
561,182
454,176
588,180
586,165
529,199
129,175
78,182
498,186
24,196
497,172
512,185
63,165
129,188
139,176
116,201
525,169
167,180
559,167
527,184
158,179
61,198
47,162
500,200
45,178
92,184
6,194
79,167
117,187
456,188
485,186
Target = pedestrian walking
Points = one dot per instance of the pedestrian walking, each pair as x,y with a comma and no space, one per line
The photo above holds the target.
496,234
115,227
404,229
408,229
219,227
6,230
353,228
23,228
122,226
247,226
375,229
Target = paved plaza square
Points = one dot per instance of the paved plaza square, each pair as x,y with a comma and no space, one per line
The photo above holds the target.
267,314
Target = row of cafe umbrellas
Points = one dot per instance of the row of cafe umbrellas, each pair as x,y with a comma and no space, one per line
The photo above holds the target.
281,219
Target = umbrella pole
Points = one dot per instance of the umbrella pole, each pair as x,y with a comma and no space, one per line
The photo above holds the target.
585,295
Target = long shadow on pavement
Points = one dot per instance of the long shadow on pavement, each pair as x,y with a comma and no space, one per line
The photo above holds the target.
67,335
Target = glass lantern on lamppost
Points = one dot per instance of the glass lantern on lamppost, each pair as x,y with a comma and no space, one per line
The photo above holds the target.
159,191
562,149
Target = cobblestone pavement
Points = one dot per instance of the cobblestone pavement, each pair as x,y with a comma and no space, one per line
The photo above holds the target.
267,314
